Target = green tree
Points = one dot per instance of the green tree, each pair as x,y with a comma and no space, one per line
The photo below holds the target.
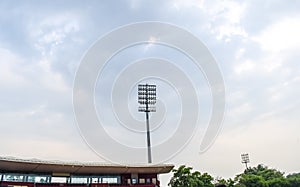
251,180
262,176
228,183
293,180
278,182
259,176
265,172
184,177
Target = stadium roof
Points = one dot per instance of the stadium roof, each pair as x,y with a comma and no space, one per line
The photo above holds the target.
11,164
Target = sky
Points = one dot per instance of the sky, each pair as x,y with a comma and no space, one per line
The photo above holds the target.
255,43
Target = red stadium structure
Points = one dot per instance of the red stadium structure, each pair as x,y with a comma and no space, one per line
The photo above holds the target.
36,173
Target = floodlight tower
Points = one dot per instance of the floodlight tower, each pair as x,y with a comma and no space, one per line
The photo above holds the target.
147,100
245,159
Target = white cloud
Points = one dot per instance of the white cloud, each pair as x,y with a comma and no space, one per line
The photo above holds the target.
244,67
236,97
284,91
52,31
240,111
179,5
263,64
280,36
20,73
43,150
240,53
9,71
50,79
225,18
226,31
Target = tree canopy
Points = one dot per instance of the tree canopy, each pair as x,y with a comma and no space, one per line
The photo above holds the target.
259,176
184,177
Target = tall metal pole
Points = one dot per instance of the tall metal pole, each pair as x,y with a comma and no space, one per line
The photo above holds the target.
147,96
148,127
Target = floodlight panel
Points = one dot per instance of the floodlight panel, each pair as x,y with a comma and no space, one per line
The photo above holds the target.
245,158
144,109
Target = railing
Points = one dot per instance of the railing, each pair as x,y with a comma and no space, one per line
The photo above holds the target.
132,185
29,184
62,185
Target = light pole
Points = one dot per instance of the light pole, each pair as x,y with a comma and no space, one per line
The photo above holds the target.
245,159
147,98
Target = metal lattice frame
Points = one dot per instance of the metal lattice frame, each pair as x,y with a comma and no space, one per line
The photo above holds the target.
147,100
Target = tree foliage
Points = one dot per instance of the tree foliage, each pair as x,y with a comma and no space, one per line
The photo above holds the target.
294,180
259,176
266,177
184,177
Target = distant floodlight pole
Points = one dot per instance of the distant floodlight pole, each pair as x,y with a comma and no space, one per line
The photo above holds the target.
147,98
245,159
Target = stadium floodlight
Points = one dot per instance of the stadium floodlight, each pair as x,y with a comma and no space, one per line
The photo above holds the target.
147,100
245,159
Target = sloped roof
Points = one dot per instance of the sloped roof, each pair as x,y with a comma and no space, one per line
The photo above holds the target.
12,164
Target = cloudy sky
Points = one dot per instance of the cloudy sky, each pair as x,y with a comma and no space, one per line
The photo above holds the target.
255,43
